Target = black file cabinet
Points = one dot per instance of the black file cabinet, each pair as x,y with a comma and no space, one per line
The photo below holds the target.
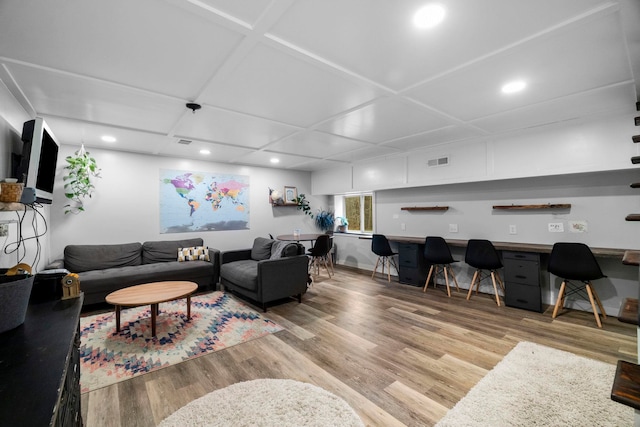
523,280
412,265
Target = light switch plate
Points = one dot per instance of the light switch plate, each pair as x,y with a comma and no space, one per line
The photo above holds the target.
453,228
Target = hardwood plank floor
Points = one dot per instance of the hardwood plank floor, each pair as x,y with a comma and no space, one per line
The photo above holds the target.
397,355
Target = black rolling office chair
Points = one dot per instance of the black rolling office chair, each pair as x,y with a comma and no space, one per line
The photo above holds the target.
319,254
438,254
575,262
482,255
381,247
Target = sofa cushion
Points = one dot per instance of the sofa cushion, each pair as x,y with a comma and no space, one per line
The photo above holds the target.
103,281
165,250
194,253
79,258
261,248
243,273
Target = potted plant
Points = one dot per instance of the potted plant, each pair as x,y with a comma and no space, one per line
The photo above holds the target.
325,221
80,168
343,224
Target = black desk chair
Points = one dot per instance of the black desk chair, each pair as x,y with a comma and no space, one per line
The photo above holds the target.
438,254
482,255
575,262
319,254
381,247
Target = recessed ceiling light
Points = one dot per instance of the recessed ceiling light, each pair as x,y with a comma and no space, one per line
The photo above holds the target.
108,138
275,160
514,86
429,16
205,151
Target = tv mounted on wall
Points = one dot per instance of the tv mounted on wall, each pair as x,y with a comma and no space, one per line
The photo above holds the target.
39,159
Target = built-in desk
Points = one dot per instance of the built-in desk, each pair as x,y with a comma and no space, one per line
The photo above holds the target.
512,246
524,267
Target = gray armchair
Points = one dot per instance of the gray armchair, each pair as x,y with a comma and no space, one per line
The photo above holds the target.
270,271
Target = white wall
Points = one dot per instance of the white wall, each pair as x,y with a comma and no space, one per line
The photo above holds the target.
125,204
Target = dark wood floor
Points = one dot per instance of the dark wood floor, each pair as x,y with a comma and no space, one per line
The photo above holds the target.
397,355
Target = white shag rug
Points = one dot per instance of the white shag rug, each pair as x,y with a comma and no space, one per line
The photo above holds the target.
266,402
536,385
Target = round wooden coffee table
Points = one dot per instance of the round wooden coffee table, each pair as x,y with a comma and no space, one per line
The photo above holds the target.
151,294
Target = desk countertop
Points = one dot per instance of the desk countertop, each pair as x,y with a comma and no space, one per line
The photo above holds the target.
512,246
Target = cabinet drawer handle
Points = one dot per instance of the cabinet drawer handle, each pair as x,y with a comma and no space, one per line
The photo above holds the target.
519,276
524,301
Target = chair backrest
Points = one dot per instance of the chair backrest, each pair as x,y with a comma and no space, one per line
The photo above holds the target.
380,245
574,261
436,251
322,246
482,254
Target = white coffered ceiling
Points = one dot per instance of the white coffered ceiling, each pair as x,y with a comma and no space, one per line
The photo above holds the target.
315,83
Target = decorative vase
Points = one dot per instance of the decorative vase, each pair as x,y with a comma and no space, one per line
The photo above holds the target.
14,300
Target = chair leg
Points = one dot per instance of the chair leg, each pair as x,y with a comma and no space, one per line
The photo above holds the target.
560,300
454,278
375,268
426,283
597,298
495,288
446,280
593,304
500,282
388,270
473,281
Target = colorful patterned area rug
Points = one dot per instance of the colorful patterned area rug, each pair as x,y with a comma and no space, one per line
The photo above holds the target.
218,321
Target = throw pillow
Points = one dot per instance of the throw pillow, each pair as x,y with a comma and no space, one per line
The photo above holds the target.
193,254
261,249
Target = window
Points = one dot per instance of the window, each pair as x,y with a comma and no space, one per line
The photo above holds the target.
358,209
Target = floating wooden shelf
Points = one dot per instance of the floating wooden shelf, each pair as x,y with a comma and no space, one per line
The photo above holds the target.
523,207
425,208
632,217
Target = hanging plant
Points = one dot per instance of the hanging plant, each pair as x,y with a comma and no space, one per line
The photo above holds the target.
303,205
80,170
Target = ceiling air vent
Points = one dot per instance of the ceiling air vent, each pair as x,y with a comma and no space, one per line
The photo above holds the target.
442,161
184,142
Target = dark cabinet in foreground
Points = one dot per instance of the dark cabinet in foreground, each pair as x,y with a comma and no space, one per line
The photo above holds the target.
40,367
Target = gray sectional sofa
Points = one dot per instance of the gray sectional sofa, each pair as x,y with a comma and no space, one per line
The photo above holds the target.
269,271
103,269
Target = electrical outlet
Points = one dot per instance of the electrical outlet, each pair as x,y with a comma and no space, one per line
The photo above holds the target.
556,227
403,226
4,230
453,228
513,229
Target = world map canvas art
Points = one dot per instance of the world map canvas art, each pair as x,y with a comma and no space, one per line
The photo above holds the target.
203,201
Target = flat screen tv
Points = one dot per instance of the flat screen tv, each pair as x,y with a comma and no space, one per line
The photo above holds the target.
39,159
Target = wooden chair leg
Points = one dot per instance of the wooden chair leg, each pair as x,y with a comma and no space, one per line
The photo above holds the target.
597,298
473,281
388,270
560,300
375,268
446,281
454,278
593,305
426,283
500,282
495,288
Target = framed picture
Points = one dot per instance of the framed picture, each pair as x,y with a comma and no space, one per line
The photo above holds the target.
290,195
